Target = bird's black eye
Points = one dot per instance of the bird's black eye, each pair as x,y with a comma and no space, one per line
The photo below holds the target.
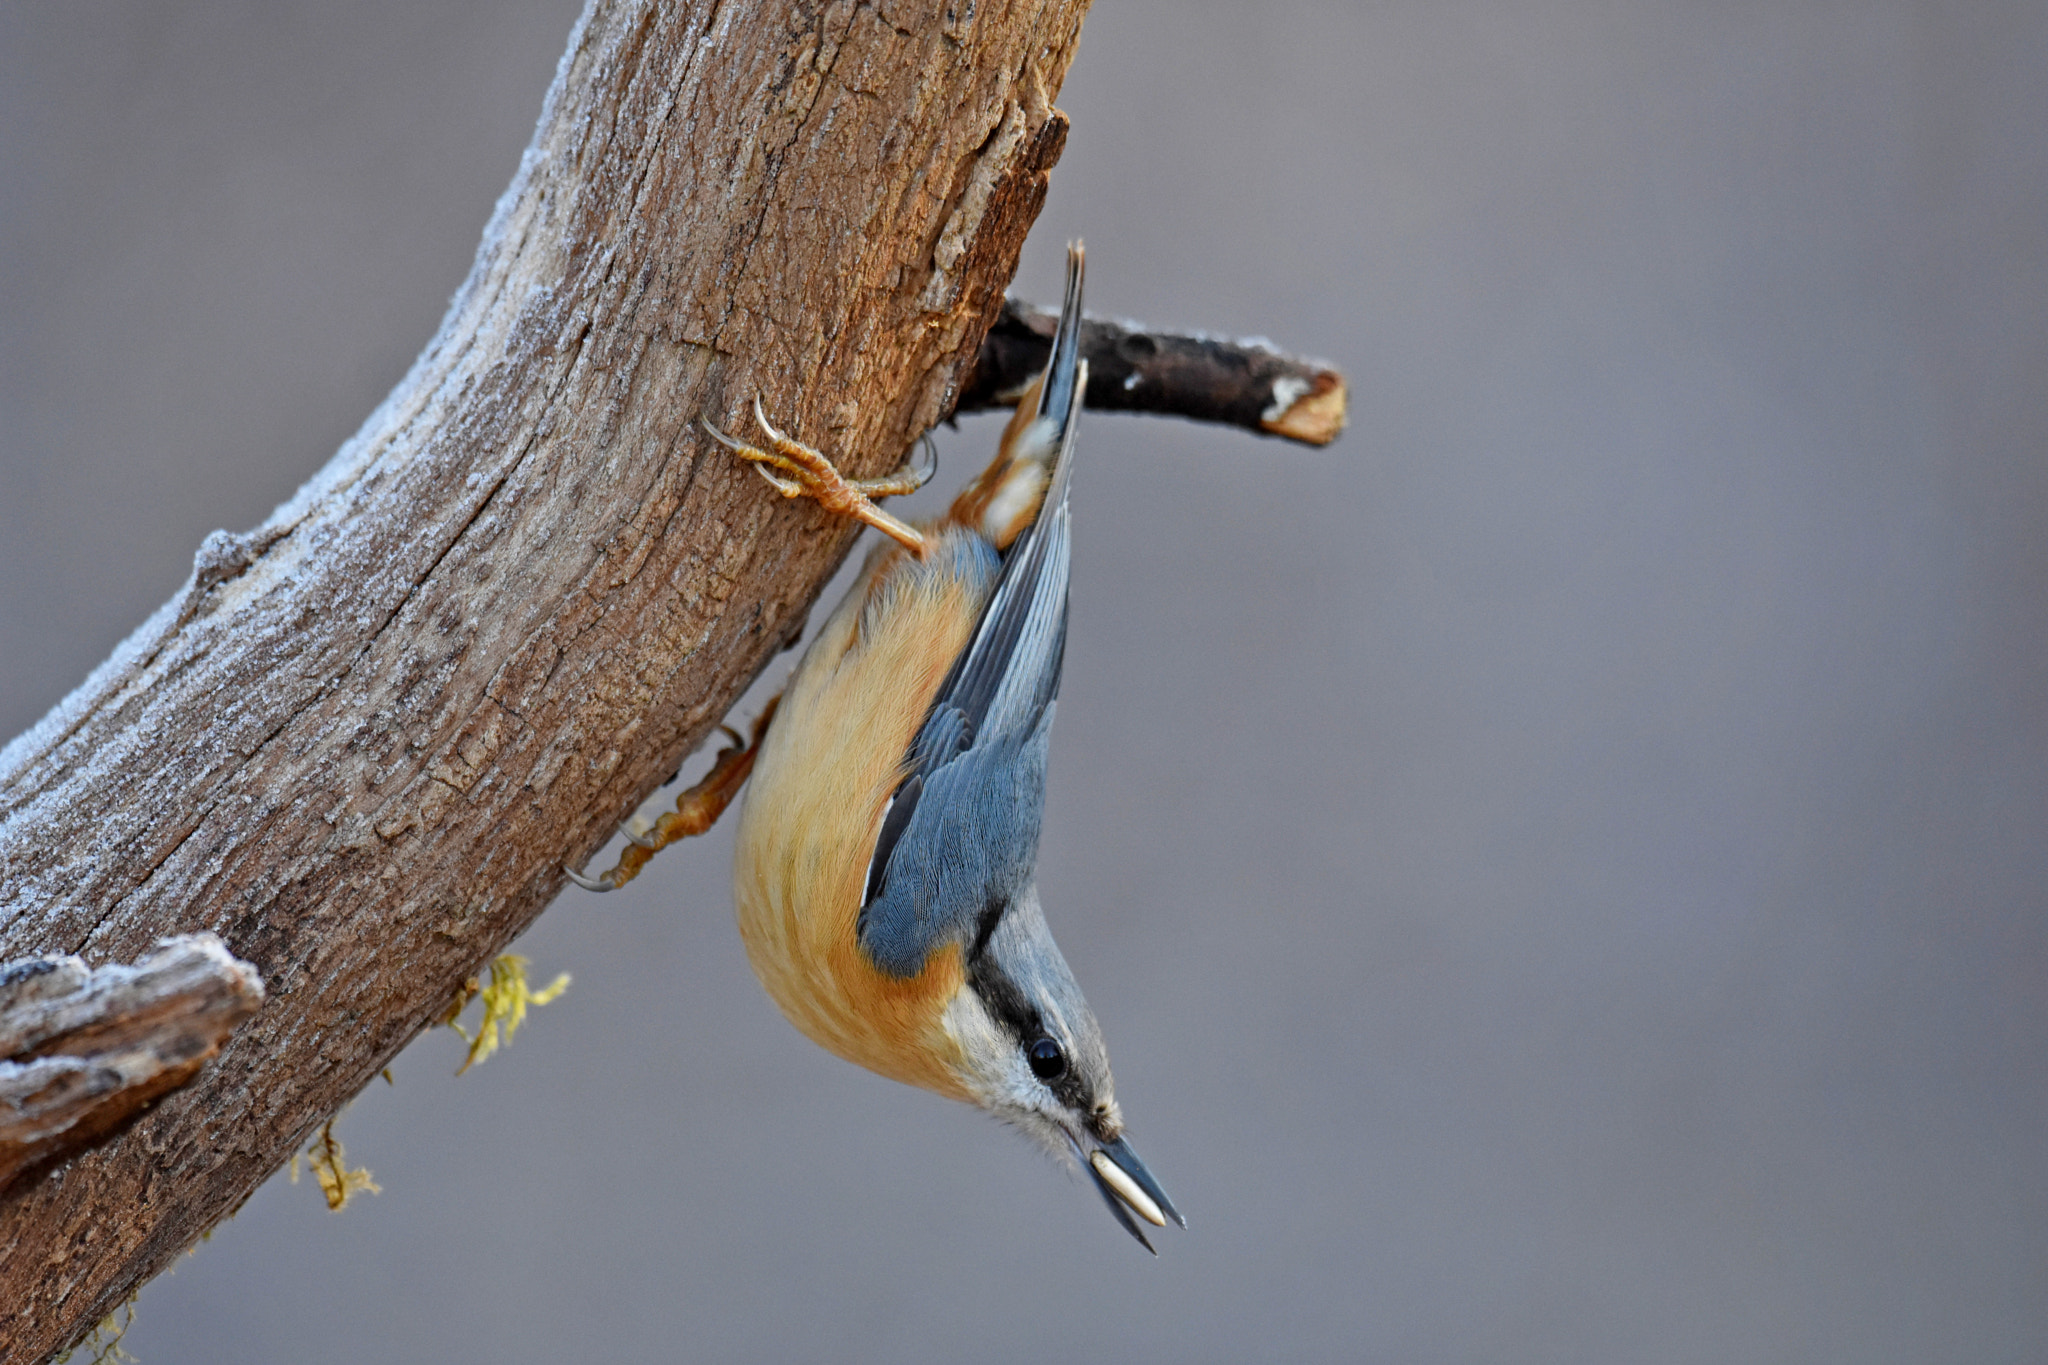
1048,1060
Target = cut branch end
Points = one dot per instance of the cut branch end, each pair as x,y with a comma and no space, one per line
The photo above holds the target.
84,1051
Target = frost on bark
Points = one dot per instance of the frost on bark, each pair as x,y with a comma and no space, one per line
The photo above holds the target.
363,741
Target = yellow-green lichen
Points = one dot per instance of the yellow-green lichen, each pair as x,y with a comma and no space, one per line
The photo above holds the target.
104,1341
505,998
329,1165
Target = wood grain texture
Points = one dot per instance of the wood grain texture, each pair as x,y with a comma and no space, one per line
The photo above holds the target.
364,740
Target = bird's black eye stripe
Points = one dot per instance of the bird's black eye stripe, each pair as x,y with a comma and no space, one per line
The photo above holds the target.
1048,1059
1019,1016
985,929
985,975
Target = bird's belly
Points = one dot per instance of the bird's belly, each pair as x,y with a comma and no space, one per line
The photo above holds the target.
831,759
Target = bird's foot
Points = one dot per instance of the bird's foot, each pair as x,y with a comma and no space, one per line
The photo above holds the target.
805,472
697,810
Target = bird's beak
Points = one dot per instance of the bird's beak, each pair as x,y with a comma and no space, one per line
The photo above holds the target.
1128,1188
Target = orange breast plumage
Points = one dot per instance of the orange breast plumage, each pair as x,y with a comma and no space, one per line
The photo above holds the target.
812,811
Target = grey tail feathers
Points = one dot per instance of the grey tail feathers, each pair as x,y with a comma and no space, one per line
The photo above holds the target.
1066,380
1063,369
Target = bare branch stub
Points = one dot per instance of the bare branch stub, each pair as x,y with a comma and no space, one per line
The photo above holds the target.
1132,368
83,1052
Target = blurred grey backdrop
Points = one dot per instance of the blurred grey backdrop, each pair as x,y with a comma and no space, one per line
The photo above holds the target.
1562,872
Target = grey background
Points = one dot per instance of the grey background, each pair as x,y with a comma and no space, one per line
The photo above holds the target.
1561,872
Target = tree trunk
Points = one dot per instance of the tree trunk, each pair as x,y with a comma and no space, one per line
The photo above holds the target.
363,741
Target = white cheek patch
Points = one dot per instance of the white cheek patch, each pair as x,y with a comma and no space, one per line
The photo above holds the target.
999,1078
982,1046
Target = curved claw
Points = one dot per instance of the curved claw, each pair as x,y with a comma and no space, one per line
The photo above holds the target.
761,416
809,473
645,841
588,883
728,442
920,477
789,488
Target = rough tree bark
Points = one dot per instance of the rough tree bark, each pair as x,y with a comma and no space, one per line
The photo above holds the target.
364,740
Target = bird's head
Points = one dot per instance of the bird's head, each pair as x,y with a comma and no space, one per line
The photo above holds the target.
1031,1053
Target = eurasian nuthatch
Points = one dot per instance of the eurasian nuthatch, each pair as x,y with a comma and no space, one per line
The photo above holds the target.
886,873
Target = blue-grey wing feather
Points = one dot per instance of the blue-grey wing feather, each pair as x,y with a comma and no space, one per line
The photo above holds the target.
970,845
960,836
961,833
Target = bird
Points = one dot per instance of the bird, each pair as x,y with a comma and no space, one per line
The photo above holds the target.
885,872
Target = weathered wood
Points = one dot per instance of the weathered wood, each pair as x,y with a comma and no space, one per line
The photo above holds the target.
1133,368
85,1051
364,740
